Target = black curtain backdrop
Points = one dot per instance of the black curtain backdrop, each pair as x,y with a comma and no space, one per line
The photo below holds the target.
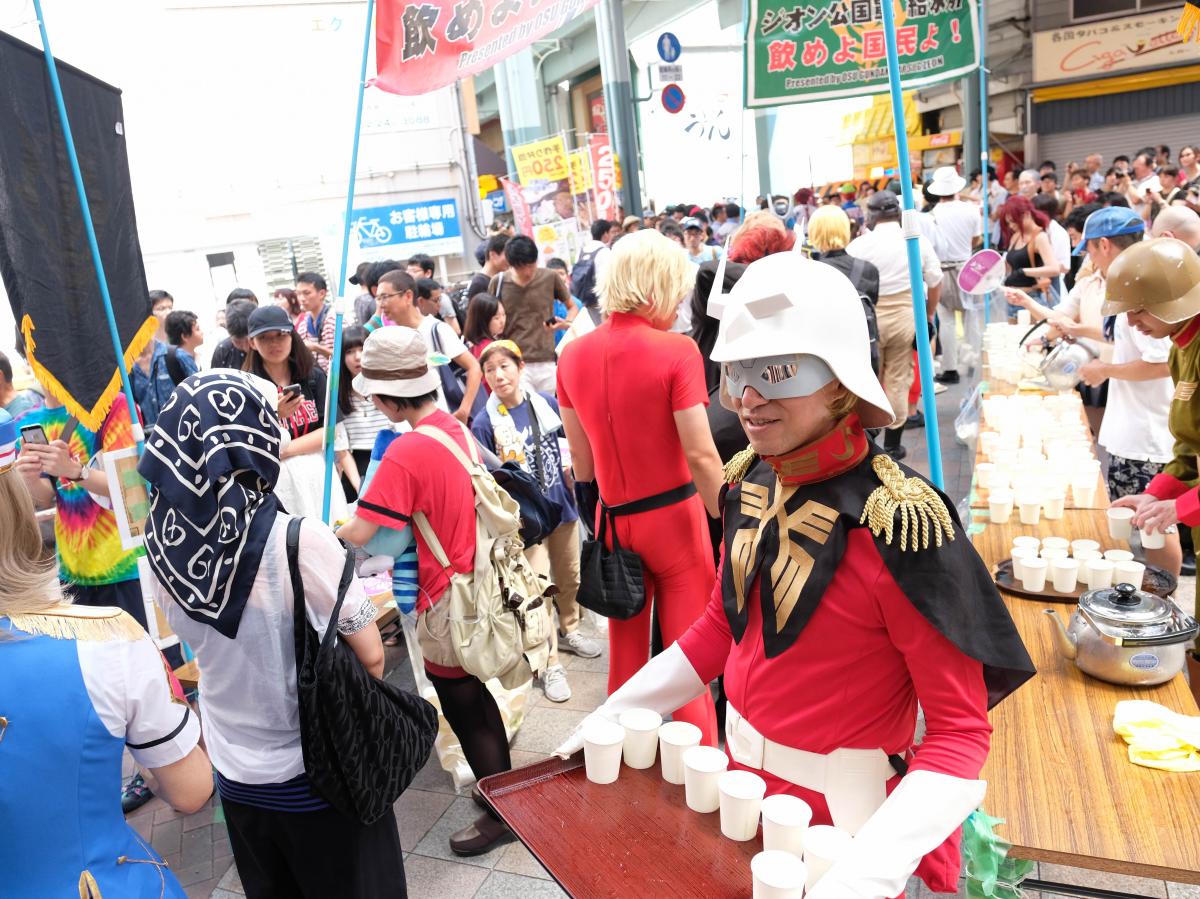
44,256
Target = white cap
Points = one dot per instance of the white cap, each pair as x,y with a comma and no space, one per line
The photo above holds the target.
947,182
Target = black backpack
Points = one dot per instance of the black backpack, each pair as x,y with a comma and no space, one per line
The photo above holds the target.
583,278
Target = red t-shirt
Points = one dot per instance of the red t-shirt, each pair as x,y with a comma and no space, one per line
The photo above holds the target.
418,474
626,380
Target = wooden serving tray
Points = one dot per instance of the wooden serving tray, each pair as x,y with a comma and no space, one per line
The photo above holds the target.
1155,580
632,838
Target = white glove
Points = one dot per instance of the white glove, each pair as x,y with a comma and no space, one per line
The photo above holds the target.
920,814
665,683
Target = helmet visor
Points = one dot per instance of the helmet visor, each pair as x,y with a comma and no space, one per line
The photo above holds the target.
776,377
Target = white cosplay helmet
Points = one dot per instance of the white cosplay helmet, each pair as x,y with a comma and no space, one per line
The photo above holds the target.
788,327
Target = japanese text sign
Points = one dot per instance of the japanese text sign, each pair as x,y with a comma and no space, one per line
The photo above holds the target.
581,172
427,226
422,46
541,160
522,214
1096,49
824,49
604,166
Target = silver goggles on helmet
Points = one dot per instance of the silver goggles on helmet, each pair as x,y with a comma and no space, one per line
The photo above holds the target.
776,377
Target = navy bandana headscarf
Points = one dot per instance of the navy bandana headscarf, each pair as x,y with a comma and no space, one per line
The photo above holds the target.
213,460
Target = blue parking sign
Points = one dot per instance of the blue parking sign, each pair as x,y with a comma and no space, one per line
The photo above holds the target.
405,229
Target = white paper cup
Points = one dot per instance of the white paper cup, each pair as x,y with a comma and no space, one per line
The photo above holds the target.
1050,553
785,819
674,739
702,769
1019,555
1118,555
1120,523
777,875
823,845
1152,539
1129,573
1056,543
602,749
1054,504
988,441
1000,506
1034,574
1023,316
1030,512
641,736
1083,495
741,797
1065,573
983,475
1032,542
1100,573
1084,557
1083,546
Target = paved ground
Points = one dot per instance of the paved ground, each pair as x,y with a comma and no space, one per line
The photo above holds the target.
197,846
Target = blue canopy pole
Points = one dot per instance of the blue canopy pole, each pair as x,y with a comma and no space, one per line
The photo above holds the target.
339,306
912,234
98,263
984,155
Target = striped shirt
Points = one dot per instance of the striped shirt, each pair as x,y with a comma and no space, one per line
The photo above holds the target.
364,423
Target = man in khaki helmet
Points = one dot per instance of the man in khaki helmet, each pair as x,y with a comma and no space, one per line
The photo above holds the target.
1157,284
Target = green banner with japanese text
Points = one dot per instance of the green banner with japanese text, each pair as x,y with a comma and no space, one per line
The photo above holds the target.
797,52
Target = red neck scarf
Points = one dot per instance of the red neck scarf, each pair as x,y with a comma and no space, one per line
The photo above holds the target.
826,457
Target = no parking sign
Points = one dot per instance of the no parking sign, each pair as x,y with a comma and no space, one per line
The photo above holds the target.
673,98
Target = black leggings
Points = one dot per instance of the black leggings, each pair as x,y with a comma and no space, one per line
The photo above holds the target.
471,710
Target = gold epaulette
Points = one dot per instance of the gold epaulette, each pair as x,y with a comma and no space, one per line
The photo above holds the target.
921,511
739,466
90,623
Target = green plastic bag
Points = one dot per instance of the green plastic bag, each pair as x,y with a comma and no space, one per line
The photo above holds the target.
991,873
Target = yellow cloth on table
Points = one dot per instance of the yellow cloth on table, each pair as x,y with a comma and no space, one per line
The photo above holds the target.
1158,737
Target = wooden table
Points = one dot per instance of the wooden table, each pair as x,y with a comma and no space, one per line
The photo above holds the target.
1058,774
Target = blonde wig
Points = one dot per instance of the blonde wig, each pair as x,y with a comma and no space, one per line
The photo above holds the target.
829,229
646,273
28,576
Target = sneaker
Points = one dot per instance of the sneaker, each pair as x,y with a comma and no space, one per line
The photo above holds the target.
584,647
947,377
916,420
554,684
135,794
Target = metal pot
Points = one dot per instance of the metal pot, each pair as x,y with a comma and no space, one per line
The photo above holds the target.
1125,636
1061,365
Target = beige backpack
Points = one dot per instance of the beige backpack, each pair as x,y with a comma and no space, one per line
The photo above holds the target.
498,613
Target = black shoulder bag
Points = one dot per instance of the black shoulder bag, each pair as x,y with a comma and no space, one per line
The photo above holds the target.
363,739
610,581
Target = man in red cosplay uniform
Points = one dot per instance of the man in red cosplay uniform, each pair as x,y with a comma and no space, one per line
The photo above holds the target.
848,593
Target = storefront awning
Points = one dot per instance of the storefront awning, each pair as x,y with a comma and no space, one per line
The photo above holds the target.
1119,85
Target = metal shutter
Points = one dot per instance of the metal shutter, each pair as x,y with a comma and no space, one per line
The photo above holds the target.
287,257
1117,140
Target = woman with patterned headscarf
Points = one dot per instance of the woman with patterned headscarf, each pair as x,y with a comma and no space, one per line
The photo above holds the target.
216,540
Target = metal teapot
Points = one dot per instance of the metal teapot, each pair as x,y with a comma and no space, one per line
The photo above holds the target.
1061,365
1126,636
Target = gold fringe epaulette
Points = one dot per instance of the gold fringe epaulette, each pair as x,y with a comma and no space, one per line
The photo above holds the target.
921,510
95,625
739,466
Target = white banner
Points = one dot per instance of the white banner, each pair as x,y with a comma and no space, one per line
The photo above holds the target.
1098,49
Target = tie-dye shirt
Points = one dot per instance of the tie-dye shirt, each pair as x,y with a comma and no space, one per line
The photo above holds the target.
89,547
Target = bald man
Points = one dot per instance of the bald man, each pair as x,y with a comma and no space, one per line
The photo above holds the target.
1178,222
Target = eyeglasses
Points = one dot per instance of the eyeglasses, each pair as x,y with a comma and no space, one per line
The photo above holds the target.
387,296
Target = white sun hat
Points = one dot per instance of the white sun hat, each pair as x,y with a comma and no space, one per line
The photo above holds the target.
787,304
395,362
947,182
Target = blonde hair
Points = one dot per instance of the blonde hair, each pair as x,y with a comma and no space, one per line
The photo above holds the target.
645,269
28,579
829,229
844,403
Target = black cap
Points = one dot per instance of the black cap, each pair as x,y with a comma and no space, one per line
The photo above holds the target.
884,202
268,318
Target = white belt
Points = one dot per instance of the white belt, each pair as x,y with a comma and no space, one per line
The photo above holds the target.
853,781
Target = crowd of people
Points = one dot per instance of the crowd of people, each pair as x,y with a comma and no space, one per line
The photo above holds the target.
677,392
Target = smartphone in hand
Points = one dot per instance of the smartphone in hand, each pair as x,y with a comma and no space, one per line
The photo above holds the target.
34,434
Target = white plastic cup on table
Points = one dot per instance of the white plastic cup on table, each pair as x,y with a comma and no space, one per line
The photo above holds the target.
988,441
1026,541
1050,553
1118,555
741,798
1083,546
983,475
1085,556
823,845
1019,555
1000,478
1029,510
1065,573
674,739
702,769
1034,574
641,736
1120,523
1152,539
602,749
1056,543
1054,504
1129,573
777,875
1000,506
1083,493
1023,318
785,820
1100,573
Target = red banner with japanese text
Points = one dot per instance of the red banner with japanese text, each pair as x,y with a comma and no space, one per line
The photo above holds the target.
522,214
422,46
605,176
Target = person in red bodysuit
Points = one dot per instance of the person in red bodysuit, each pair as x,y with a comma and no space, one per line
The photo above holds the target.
847,594
632,397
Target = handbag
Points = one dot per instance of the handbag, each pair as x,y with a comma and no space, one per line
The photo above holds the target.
539,514
610,581
454,379
363,739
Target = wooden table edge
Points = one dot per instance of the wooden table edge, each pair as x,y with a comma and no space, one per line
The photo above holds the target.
1109,865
